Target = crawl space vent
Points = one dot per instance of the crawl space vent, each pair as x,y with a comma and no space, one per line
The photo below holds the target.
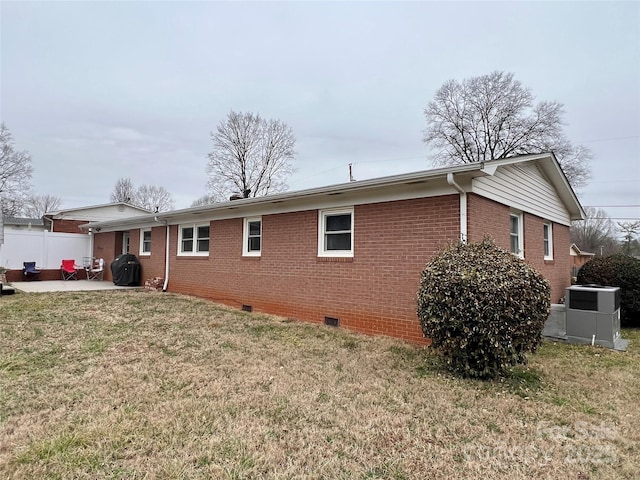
331,321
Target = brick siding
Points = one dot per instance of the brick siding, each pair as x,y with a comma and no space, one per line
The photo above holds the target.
374,292
68,226
487,217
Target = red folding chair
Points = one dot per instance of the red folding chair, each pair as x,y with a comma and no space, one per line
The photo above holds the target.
68,270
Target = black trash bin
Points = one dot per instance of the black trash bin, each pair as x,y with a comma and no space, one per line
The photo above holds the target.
125,270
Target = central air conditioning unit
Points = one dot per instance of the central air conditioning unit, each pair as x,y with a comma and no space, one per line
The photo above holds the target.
593,316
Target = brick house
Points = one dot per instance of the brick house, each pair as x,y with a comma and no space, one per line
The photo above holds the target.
352,253
54,236
70,219
578,258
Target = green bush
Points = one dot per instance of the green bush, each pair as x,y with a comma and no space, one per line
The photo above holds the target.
483,308
617,271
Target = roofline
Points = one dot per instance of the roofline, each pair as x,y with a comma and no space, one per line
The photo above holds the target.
479,168
24,220
75,209
580,252
288,196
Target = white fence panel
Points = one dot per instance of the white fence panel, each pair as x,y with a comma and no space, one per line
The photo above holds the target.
47,249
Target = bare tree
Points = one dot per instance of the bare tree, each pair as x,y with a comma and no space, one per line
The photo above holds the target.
123,191
15,174
596,234
494,116
150,197
153,198
204,200
250,155
37,205
630,231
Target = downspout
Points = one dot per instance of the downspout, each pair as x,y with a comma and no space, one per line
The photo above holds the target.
50,219
463,207
166,259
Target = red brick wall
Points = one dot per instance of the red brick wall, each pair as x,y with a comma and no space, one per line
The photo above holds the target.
492,218
68,226
105,245
486,217
374,292
150,265
558,270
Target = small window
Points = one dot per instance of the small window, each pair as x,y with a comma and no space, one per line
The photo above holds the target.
194,239
252,237
516,244
125,242
548,241
145,241
335,233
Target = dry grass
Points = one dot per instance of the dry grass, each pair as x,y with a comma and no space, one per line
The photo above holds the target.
150,385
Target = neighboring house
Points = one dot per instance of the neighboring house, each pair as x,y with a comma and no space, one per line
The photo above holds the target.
578,258
70,219
16,223
352,254
54,236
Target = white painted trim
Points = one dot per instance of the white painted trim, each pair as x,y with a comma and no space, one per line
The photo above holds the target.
550,240
126,243
518,214
141,252
193,253
463,207
322,214
245,237
424,184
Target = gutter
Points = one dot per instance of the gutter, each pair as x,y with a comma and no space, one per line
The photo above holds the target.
50,219
463,207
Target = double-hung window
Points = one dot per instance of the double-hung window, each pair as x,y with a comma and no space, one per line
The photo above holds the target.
145,241
548,241
193,239
335,233
516,234
252,237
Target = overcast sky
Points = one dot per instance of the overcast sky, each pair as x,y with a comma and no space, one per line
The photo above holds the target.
101,90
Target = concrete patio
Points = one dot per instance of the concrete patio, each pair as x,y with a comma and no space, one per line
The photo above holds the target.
66,286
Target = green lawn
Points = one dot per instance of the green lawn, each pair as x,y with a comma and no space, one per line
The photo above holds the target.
161,386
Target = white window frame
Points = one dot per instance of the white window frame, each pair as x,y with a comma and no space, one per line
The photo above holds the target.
520,233
245,238
142,251
547,240
322,215
195,252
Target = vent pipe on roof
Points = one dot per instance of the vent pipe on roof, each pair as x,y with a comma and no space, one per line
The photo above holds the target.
463,207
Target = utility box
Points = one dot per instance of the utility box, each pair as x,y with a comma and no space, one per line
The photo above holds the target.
593,316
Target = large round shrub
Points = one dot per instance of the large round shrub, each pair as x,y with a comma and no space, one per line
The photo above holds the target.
483,308
617,271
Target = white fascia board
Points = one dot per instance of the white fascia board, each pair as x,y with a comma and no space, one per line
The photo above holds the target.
273,205
551,168
426,183
93,207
